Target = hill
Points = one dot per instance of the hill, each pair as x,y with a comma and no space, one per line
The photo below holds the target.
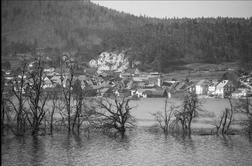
89,29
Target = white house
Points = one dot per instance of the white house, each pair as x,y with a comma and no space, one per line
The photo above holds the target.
139,93
220,88
56,79
201,88
48,83
212,87
241,92
49,70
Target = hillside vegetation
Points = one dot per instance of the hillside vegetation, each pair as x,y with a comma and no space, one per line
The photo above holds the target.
89,29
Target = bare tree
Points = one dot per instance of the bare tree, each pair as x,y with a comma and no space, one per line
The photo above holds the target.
18,86
245,106
115,114
231,113
54,97
60,107
223,124
78,96
37,98
2,103
67,90
164,118
188,112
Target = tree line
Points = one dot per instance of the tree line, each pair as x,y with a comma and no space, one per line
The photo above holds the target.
178,118
29,108
160,44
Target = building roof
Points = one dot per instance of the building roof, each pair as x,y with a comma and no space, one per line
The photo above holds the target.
222,84
203,82
152,91
139,79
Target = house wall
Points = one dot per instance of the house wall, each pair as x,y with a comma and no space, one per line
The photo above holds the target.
219,92
198,89
211,89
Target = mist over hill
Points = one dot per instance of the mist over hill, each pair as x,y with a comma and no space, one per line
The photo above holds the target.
89,29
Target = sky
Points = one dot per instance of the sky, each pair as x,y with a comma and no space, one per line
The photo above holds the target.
190,9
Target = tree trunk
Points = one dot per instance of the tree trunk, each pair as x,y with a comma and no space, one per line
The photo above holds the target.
51,123
35,130
2,119
230,121
122,131
224,123
189,126
75,118
68,118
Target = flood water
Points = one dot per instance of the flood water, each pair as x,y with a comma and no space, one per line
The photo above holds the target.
139,148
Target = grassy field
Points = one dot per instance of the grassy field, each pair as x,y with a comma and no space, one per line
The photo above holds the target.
210,111
198,71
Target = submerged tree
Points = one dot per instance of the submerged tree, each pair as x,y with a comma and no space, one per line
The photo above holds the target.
54,97
245,106
226,118
114,113
188,112
78,95
18,85
36,96
68,87
2,103
164,118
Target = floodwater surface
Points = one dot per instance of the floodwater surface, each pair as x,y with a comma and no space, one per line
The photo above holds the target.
139,148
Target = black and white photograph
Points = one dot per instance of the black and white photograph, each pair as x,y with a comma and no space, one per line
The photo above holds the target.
126,83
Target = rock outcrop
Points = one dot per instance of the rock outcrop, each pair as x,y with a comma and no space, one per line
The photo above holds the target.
110,61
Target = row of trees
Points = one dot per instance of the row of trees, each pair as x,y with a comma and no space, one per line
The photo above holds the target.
179,117
28,108
160,44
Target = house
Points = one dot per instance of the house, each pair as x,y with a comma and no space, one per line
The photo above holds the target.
48,83
219,91
229,88
155,81
139,84
180,86
140,78
49,70
157,92
152,92
106,92
123,93
190,87
82,79
240,92
57,79
201,87
125,75
246,85
167,84
212,87
224,88
139,93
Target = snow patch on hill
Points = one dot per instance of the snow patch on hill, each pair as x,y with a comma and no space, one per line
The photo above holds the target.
110,61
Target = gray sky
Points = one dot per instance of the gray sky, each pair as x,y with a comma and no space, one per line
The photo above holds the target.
180,9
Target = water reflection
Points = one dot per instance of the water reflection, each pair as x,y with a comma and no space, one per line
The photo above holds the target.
37,151
136,148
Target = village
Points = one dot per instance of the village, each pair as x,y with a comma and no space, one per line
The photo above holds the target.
110,74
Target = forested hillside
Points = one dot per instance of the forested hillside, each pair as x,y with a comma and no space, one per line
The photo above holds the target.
89,29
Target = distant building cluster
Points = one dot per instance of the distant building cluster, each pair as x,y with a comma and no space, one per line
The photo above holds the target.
110,74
